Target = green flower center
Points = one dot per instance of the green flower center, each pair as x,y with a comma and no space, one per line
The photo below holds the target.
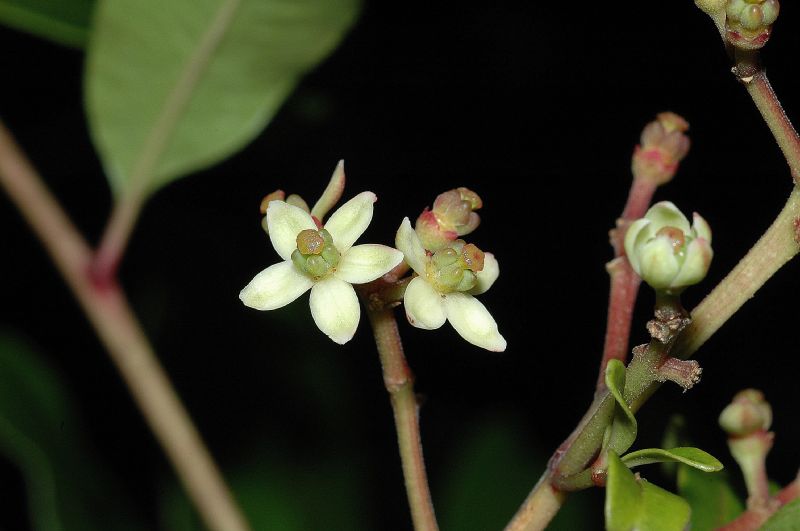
316,256
455,268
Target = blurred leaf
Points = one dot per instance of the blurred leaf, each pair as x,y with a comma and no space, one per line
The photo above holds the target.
489,474
623,429
674,435
173,87
632,504
40,434
713,501
786,519
278,494
693,457
63,21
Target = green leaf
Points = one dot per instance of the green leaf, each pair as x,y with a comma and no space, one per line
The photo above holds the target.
63,21
632,504
713,501
623,428
40,434
173,87
786,519
693,457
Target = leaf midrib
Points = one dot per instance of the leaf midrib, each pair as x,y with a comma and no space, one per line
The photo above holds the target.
178,98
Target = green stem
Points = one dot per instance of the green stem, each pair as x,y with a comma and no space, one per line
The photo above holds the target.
110,314
399,382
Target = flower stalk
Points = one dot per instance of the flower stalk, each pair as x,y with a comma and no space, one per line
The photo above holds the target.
399,382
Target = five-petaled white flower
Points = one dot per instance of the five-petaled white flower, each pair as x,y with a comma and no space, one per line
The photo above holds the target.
444,289
322,260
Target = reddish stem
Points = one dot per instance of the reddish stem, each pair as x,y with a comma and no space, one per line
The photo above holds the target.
624,280
754,518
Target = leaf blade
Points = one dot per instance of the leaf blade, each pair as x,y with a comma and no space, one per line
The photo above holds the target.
173,88
624,427
690,456
65,22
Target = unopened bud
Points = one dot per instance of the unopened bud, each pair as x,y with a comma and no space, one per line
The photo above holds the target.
663,145
749,412
453,215
748,24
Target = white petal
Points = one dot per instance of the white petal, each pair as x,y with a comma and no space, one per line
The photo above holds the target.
666,214
658,263
332,193
487,276
701,228
696,264
365,263
631,237
408,243
276,286
335,309
285,222
424,305
351,220
473,321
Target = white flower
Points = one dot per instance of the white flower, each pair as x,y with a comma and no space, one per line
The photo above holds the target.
444,292
666,251
324,261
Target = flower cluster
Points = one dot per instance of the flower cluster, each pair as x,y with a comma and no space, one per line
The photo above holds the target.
322,258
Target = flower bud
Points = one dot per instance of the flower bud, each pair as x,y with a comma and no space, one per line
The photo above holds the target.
748,24
662,146
666,251
749,412
453,215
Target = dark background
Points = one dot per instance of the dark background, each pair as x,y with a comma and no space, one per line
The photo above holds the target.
537,107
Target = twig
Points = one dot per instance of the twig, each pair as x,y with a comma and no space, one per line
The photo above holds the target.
624,281
108,311
754,78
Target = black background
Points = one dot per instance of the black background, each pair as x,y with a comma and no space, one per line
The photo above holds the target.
537,107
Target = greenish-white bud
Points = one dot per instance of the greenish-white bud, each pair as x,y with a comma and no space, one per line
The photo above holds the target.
747,413
666,251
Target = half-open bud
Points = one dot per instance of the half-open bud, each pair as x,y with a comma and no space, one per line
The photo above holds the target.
666,251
